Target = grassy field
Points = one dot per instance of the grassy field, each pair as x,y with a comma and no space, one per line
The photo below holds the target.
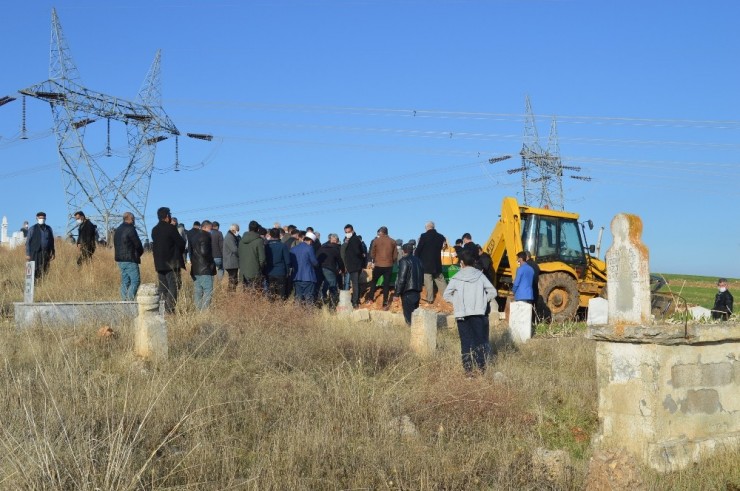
272,396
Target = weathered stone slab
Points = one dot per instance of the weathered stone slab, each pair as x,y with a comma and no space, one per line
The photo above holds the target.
344,308
423,332
361,315
520,322
667,334
60,314
598,312
628,273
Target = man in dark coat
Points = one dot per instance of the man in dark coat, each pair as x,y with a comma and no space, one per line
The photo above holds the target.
330,261
86,238
303,262
722,309
128,251
354,261
409,281
252,257
277,265
40,245
202,266
167,249
429,251
218,249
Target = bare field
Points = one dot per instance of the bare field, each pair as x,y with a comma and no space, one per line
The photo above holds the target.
273,396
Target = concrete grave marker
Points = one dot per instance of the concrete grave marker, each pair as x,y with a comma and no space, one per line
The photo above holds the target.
598,312
150,339
520,322
30,284
344,308
423,332
628,273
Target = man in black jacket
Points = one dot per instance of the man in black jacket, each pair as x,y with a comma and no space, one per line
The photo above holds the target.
722,309
40,245
330,262
408,281
429,250
128,251
86,238
354,261
202,265
167,249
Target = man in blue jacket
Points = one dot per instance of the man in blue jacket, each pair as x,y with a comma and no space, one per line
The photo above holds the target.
304,262
524,280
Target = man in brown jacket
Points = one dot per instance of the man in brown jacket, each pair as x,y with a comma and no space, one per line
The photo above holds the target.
384,254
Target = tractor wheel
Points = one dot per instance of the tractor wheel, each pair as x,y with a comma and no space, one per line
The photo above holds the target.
559,293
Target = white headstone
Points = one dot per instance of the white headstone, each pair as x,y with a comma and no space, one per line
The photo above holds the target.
628,273
344,307
598,312
4,233
700,313
423,332
520,322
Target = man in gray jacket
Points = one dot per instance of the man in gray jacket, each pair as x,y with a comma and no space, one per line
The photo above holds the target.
469,291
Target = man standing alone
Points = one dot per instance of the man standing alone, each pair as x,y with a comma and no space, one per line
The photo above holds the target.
408,281
86,238
40,245
167,249
128,251
429,250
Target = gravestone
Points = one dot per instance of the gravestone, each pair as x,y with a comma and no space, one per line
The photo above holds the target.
344,308
628,273
598,312
150,339
520,322
423,332
700,313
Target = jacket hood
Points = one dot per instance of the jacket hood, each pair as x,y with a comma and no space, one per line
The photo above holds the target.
468,274
251,237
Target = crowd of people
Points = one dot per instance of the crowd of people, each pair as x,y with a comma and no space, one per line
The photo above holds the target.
285,261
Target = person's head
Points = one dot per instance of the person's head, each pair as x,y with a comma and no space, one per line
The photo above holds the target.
164,215
181,227
468,258
301,234
399,242
528,254
128,217
407,248
275,233
261,231
722,284
521,257
234,228
480,249
467,238
429,225
295,233
196,224
383,230
174,221
25,224
309,229
216,225
333,239
458,242
253,226
79,216
274,225
206,226
412,242
310,238
348,230
290,229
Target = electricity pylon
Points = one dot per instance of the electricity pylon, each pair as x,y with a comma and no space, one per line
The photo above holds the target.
542,170
87,183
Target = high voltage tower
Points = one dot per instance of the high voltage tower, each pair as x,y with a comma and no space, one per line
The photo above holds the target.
88,183
542,170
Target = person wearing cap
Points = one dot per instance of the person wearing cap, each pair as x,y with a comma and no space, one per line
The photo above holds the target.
86,238
722,309
303,261
40,245
409,281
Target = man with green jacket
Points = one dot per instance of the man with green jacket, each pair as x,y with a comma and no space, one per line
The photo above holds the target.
252,257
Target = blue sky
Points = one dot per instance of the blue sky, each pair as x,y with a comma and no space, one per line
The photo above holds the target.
385,113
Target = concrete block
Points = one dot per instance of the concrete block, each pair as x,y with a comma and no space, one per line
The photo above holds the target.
423,332
520,322
700,313
53,314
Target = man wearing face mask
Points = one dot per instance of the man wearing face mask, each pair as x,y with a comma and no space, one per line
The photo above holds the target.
86,238
354,261
40,245
722,309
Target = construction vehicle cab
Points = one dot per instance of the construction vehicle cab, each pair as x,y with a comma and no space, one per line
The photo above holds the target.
569,275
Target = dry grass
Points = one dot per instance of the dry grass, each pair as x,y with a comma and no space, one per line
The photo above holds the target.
271,396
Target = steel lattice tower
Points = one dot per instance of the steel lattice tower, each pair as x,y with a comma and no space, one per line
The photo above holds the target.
542,170
87,183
